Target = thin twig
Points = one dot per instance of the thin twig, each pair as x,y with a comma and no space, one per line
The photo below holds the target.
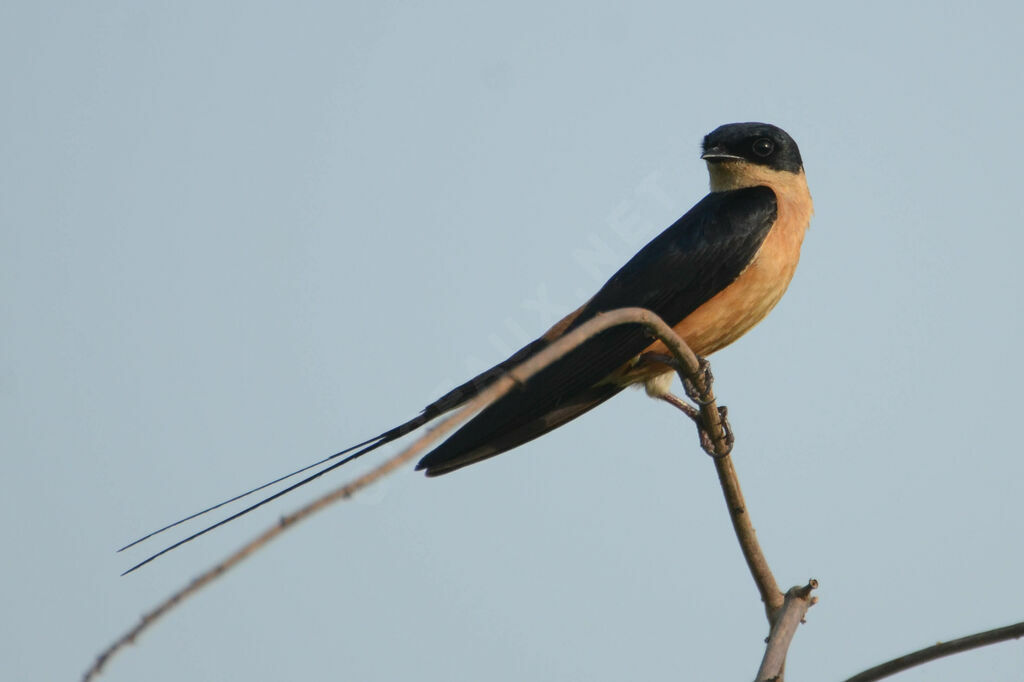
516,376
771,595
798,599
939,650
717,441
712,422
245,551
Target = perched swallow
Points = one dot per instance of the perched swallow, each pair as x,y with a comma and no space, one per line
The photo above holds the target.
712,275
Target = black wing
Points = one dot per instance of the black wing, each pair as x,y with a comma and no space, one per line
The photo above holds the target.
679,270
684,266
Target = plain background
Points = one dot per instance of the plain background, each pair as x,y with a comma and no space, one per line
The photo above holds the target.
239,236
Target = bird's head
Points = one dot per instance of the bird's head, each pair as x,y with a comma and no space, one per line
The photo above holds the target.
748,154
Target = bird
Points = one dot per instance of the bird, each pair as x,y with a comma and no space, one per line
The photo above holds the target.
712,275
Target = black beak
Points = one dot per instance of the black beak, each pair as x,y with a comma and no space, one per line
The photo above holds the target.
719,153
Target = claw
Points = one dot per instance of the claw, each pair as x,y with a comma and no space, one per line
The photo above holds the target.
698,391
728,437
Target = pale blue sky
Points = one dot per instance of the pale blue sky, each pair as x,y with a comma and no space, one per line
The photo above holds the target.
235,237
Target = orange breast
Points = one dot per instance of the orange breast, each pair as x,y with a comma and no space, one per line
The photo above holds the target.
740,306
736,309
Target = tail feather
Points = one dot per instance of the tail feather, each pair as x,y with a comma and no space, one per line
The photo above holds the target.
470,445
363,448
445,403
247,493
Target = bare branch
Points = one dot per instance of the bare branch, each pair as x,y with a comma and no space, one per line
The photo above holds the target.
939,650
518,375
713,426
245,551
784,612
787,619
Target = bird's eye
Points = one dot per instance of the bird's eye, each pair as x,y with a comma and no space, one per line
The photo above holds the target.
764,147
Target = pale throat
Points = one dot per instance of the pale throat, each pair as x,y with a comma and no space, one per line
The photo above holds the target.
729,175
794,206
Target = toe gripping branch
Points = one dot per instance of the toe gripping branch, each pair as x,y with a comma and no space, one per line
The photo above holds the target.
716,435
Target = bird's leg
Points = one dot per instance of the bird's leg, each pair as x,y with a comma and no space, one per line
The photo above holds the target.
699,390
683,406
673,400
707,443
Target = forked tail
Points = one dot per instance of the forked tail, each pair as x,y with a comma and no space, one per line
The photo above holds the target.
449,401
359,449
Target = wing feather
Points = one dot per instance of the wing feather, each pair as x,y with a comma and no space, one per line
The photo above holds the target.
679,270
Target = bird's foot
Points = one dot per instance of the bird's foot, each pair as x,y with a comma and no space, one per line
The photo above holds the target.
707,442
699,388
